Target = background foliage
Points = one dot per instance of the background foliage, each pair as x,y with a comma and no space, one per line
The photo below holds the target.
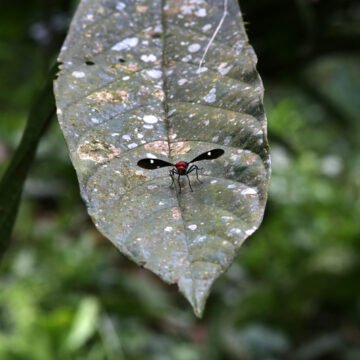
66,293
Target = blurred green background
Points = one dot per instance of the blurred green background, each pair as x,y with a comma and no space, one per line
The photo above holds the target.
293,292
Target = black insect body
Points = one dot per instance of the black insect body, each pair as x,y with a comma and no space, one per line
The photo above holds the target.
181,168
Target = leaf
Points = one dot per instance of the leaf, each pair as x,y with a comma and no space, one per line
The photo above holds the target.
84,325
13,180
131,88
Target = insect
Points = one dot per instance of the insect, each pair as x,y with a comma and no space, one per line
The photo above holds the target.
181,168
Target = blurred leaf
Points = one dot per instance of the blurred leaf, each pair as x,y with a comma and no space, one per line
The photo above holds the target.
13,180
334,259
323,347
111,339
132,86
84,325
265,342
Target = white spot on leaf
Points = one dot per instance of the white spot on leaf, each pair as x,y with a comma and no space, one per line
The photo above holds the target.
223,69
150,119
206,27
186,58
249,191
192,227
120,6
182,82
154,74
148,58
235,231
125,44
201,70
250,231
201,13
194,47
211,96
227,218
78,74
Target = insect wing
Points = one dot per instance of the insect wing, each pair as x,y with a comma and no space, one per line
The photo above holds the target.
152,164
209,155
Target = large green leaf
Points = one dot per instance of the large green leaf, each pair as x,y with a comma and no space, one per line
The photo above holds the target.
131,86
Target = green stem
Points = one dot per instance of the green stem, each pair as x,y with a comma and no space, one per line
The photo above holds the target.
12,182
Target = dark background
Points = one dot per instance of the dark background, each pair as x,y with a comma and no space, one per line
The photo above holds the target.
293,293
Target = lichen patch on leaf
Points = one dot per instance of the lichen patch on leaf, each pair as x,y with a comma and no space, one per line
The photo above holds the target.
97,151
104,97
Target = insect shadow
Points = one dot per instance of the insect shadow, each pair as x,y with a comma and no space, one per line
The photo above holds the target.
181,168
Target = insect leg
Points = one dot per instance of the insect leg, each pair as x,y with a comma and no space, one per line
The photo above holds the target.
171,174
189,182
196,168
197,175
179,184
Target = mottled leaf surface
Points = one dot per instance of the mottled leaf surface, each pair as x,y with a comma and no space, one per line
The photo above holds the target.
130,87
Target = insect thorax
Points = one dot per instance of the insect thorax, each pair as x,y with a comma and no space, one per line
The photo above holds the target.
181,167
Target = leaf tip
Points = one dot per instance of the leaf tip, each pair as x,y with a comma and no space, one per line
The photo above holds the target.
196,291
